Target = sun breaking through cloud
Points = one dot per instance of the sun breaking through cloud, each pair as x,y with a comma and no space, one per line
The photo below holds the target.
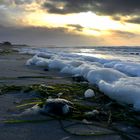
110,22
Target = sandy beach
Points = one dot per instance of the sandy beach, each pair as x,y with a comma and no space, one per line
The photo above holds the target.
13,71
69,70
13,65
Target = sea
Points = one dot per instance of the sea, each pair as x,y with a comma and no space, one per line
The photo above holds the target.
124,53
115,70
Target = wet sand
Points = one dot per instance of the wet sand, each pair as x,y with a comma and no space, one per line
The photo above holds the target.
13,72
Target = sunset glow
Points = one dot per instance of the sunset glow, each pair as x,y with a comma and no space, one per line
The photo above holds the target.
91,23
57,16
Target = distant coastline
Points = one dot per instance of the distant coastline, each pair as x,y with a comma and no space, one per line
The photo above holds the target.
9,44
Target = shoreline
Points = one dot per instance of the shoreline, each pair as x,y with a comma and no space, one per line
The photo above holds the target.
15,72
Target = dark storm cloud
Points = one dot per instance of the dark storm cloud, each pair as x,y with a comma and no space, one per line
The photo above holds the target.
18,2
105,7
134,20
70,6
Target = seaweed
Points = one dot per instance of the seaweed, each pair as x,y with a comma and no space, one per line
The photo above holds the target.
5,88
110,111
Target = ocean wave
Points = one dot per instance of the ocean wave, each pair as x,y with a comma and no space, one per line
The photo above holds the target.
118,79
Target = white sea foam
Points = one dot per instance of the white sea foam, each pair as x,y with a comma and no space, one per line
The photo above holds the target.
118,79
132,69
106,74
124,90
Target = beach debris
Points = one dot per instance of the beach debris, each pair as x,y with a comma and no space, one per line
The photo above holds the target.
17,101
98,115
59,94
42,89
0,91
86,121
49,97
52,106
31,111
78,78
57,106
44,55
92,113
89,93
46,69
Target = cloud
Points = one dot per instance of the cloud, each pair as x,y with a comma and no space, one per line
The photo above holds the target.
66,6
17,2
123,34
104,7
76,27
134,20
122,38
12,12
46,36
6,18
61,37
114,8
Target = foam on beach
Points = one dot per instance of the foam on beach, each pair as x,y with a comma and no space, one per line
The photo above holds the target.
120,80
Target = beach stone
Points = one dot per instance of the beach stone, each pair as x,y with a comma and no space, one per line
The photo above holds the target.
57,106
89,93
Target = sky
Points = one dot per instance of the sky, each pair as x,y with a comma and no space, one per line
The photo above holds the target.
70,22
